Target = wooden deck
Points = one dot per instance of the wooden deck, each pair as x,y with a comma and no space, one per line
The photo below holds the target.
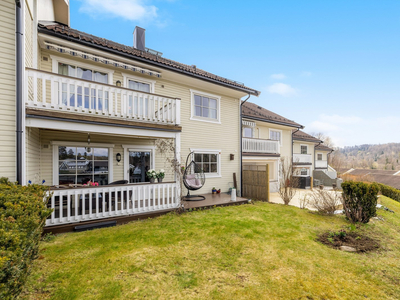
212,200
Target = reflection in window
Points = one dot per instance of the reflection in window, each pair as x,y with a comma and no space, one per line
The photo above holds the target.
139,164
78,165
207,162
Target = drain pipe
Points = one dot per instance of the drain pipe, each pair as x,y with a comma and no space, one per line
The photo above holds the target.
19,36
298,128
241,146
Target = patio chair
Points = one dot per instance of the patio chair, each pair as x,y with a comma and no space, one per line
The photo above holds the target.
193,179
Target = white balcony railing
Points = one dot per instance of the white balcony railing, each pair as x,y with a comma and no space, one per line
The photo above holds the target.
72,205
323,164
260,146
63,93
302,158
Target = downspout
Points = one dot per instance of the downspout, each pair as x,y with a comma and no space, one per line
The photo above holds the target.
315,157
241,145
298,128
19,35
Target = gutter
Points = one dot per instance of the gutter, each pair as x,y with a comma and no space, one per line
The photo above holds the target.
276,122
241,143
19,36
144,60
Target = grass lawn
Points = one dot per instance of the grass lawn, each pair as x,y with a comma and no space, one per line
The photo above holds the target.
261,251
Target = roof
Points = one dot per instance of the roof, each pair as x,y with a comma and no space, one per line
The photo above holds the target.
254,111
382,176
67,33
321,147
362,172
302,136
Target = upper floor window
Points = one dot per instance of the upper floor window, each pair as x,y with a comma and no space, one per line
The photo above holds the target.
303,149
248,132
319,156
205,107
139,86
275,135
82,73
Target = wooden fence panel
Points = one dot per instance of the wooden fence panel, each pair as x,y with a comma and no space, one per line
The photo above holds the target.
256,182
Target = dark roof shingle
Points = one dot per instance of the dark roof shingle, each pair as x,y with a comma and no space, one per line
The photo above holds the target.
302,136
253,110
66,32
322,147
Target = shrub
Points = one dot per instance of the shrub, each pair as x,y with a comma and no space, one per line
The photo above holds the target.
325,202
23,213
389,191
359,200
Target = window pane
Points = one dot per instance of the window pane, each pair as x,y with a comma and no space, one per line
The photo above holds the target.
205,112
139,86
100,153
101,179
206,168
197,157
197,111
213,113
84,73
66,153
248,132
67,180
101,77
197,100
62,69
83,179
139,164
67,167
214,168
101,167
205,102
213,157
213,103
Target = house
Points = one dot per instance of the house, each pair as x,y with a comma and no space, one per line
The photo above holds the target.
94,112
266,137
310,158
387,177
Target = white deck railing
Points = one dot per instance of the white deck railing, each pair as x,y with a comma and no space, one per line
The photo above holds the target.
72,205
260,146
323,164
64,93
302,158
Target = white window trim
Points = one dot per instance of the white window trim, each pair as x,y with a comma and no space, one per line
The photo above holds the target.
210,151
127,77
281,140
56,144
304,145
139,148
57,59
203,119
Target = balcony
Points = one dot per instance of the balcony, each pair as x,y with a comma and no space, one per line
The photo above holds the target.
260,146
61,93
302,158
321,164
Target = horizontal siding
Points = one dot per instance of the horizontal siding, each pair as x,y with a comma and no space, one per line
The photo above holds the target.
7,89
33,155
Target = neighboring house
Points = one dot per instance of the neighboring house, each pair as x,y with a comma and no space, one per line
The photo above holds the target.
266,136
388,177
94,110
310,158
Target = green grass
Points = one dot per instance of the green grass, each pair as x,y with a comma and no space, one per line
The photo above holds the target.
262,251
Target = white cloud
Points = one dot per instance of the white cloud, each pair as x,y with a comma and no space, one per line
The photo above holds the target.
132,10
281,89
306,74
278,76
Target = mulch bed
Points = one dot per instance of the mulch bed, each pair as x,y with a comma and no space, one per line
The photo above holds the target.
353,239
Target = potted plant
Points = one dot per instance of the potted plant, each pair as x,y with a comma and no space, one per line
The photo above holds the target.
160,175
152,175
214,190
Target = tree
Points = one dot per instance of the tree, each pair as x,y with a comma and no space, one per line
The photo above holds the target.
289,182
327,141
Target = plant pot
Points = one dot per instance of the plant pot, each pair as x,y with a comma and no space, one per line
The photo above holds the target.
214,191
152,180
159,179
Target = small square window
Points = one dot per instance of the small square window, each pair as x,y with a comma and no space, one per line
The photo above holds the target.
248,132
205,107
208,163
303,149
275,135
319,156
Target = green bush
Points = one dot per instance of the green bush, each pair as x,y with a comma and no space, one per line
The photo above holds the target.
389,191
23,213
359,200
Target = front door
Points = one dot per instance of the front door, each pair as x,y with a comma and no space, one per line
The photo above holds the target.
139,164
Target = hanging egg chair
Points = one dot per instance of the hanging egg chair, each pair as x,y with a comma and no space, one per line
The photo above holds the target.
193,179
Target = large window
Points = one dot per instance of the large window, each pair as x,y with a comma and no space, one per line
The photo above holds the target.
275,135
139,86
78,165
85,97
209,162
303,149
205,107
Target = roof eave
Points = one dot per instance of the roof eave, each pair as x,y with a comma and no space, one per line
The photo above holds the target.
154,63
272,121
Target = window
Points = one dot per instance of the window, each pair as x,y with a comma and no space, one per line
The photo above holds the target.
276,135
78,165
319,156
303,149
248,132
139,86
205,107
85,98
304,172
209,161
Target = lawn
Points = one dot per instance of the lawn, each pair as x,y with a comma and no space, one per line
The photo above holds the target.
264,251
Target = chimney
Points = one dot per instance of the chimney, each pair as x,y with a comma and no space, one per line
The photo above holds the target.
139,38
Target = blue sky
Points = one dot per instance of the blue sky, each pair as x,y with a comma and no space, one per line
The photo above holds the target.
333,66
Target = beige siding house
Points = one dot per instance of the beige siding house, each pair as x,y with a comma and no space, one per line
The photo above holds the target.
96,112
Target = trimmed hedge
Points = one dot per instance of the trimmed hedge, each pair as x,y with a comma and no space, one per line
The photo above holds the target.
389,191
23,213
359,200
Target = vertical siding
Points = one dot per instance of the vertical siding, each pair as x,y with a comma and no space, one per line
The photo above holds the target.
7,89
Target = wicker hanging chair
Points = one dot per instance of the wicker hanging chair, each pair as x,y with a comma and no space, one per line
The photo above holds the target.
193,179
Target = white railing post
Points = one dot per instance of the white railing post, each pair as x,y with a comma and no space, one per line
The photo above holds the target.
177,111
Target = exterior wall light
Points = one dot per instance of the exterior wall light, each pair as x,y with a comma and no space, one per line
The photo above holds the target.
118,157
118,83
